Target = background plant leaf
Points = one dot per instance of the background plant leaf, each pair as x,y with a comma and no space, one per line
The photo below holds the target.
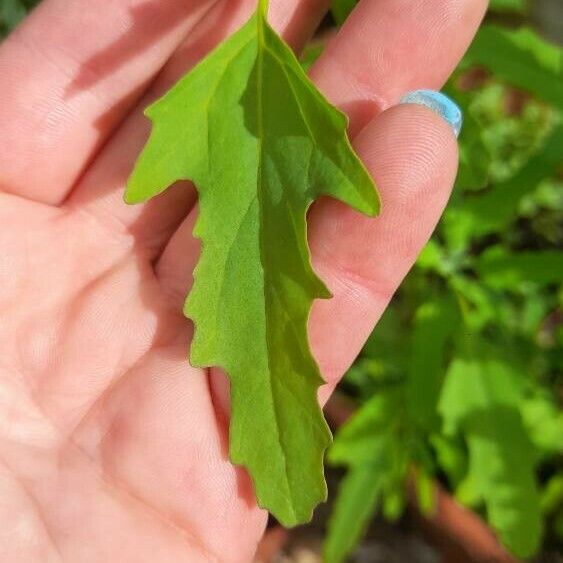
516,6
355,504
370,445
481,398
522,58
508,270
341,9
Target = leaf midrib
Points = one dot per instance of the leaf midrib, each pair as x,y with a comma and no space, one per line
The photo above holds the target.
260,21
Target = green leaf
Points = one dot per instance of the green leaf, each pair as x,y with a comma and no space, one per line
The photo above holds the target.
521,58
480,398
494,211
515,6
544,421
451,457
354,507
394,500
363,439
11,13
341,9
311,54
503,270
435,322
261,144
474,156
481,305
425,492
432,257
372,445
552,495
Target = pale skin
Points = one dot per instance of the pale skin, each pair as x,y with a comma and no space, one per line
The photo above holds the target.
112,448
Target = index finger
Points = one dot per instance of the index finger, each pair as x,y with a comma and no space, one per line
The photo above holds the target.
384,50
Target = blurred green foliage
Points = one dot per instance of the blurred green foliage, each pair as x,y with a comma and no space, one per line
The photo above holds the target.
461,380
12,12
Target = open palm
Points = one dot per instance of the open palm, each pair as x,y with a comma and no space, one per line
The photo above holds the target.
112,448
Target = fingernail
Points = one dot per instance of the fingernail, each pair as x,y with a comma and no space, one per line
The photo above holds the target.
438,102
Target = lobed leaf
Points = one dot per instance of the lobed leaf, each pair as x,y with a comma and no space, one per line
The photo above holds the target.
506,270
480,398
261,144
341,9
362,439
513,6
496,209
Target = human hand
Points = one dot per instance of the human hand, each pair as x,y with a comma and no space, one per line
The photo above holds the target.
112,448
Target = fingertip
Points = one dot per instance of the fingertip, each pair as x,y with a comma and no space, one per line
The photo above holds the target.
441,104
409,148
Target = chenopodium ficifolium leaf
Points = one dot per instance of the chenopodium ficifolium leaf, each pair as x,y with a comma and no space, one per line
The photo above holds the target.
260,143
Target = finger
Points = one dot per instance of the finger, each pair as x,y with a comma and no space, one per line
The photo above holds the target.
412,154
158,433
101,190
388,48
68,74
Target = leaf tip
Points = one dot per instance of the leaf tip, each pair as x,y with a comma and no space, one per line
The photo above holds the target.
132,194
374,206
128,198
371,200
